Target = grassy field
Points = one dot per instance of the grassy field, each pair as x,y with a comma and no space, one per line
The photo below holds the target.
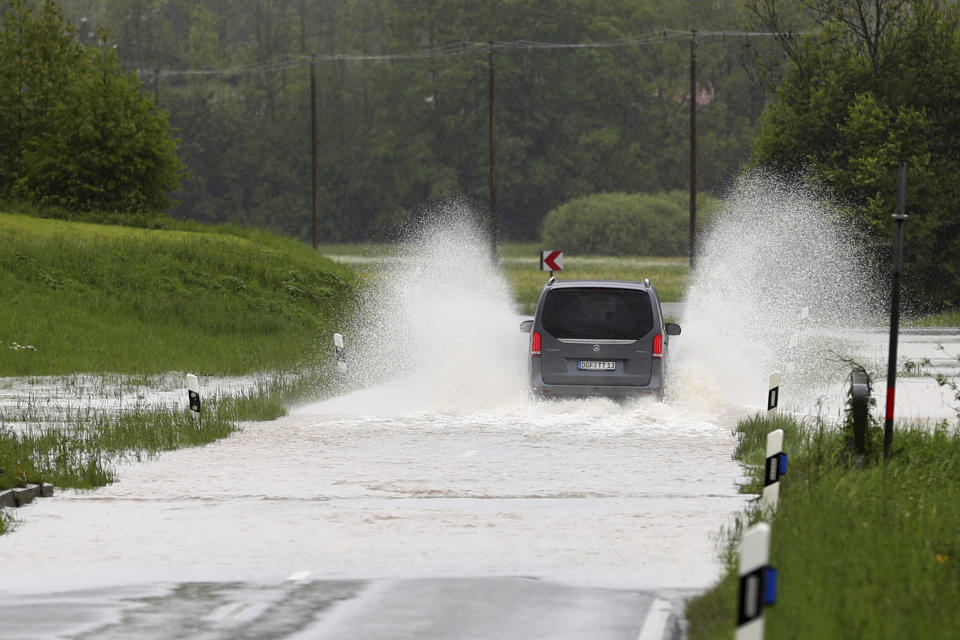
521,267
870,552
945,319
103,298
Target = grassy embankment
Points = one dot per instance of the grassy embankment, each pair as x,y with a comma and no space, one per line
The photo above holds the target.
870,552
98,299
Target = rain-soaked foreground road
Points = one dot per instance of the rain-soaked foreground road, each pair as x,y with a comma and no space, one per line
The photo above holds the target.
386,514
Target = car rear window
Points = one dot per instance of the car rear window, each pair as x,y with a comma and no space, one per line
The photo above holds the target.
597,314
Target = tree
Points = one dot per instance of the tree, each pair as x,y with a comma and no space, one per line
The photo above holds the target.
78,131
396,135
877,84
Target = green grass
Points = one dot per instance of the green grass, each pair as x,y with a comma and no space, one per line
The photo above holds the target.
521,267
84,297
669,275
945,319
125,303
867,552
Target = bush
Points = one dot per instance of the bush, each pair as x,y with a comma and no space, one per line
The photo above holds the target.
623,224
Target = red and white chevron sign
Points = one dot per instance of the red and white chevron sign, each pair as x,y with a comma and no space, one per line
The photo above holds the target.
551,261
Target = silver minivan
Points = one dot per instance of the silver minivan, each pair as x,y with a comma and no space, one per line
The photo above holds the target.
598,338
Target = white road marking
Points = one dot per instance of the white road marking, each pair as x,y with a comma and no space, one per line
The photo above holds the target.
227,611
656,622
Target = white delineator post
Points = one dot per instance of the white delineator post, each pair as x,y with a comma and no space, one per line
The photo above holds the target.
193,394
758,582
775,467
773,395
340,351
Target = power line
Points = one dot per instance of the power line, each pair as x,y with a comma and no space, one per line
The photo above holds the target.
466,47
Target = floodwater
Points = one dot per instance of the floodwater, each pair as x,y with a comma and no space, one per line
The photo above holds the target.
433,462
587,492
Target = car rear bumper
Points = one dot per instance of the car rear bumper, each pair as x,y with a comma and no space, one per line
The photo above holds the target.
540,388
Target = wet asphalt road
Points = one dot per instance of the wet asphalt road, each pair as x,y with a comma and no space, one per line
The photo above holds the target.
300,608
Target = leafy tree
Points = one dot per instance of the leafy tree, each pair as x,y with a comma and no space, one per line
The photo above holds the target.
879,83
77,130
395,135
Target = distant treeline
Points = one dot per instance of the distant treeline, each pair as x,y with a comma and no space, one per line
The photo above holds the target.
398,134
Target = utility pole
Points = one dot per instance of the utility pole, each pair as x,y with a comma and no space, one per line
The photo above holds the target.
493,156
314,178
693,148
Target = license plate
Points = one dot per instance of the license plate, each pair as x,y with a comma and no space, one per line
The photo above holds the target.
597,365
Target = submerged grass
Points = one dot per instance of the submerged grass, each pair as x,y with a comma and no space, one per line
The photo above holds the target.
83,454
864,548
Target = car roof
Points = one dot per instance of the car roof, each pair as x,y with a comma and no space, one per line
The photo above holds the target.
600,284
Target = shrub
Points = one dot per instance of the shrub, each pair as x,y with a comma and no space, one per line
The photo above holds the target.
623,224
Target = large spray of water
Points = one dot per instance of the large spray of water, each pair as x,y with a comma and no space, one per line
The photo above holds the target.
438,322
778,274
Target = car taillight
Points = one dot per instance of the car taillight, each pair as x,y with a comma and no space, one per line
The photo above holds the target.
535,344
658,346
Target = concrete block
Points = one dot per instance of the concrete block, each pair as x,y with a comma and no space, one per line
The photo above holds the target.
7,499
46,490
26,494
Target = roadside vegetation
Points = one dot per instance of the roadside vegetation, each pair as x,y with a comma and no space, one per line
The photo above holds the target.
521,267
867,550
124,303
83,447
624,224
105,298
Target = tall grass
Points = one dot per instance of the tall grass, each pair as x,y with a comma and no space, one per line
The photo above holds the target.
865,548
97,298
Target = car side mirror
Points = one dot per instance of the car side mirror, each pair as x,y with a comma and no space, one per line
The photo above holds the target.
672,329
526,326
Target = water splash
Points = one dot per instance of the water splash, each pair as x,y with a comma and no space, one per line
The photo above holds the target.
439,323
778,274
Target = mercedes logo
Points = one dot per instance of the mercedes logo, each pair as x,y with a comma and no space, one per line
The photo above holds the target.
596,348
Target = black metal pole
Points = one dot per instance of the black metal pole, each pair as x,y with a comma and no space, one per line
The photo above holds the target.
493,157
900,216
693,148
314,178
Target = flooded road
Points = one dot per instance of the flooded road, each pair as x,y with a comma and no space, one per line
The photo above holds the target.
432,497
590,492
388,499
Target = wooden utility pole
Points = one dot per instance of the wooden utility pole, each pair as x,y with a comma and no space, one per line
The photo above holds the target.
493,156
693,148
314,178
